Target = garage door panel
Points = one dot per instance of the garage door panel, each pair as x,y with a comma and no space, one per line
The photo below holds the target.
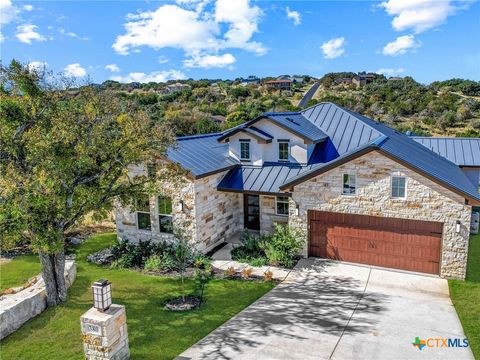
396,243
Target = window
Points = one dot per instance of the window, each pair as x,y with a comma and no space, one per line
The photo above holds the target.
283,151
282,205
244,150
349,184
398,187
142,208
165,214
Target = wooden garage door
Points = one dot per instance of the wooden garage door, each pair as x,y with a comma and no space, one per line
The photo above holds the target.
395,243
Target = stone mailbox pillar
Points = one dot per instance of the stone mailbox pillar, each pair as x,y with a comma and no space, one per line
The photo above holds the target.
105,334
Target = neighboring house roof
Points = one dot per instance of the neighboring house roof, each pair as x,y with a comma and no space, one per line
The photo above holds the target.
264,179
201,155
291,121
461,151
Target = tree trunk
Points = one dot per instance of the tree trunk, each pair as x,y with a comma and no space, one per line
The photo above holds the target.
53,266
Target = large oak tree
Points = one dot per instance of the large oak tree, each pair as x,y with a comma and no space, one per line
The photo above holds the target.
63,154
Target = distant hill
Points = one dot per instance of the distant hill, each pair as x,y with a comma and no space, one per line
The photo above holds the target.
441,108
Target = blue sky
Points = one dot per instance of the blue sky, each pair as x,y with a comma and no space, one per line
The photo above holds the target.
161,40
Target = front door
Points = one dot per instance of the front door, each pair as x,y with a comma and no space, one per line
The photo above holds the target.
251,206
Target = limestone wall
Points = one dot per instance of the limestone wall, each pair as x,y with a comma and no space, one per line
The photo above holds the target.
18,308
425,200
268,215
218,214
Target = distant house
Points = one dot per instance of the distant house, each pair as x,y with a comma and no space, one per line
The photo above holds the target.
177,87
363,79
344,81
395,78
279,84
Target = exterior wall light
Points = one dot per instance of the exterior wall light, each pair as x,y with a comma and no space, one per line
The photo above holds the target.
102,294
297,210
182,206
457,226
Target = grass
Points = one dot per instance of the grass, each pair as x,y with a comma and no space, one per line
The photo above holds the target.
154,333
465,296
18,271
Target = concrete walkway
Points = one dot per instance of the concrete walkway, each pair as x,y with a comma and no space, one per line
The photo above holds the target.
330,310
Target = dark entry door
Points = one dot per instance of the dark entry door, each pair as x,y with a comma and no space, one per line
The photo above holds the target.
251,205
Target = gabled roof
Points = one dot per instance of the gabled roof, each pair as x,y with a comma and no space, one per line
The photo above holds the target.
201,155
264,179
291,121
461,151
392,144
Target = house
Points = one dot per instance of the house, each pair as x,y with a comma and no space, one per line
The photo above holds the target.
363,79
279,84
360,191
177,87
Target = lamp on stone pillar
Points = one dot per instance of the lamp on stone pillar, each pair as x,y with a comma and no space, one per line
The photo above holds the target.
102,294
457,226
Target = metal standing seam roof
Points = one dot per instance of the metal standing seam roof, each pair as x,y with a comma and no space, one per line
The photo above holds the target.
293,121
264,179
461,151
201,155
403,149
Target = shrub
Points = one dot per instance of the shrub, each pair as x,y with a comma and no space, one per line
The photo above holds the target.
230,272
153,262
282,247
268,275
202,278
249,250
157,255
246,273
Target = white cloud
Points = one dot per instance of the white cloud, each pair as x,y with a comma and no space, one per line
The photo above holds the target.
390,72
28,7
63,32
333,48
37,66
419,15
112,67
156,76
8,12
209,61
27,33
401,45
163,59
294,15
193,29
75,70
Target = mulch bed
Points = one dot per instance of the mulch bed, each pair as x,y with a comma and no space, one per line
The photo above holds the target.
178,304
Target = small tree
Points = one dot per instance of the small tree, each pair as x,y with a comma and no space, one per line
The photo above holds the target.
183,257
203,275
63,154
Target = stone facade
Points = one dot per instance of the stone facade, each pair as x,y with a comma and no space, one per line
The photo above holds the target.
208,216
105,334
425,200
218,213
268,215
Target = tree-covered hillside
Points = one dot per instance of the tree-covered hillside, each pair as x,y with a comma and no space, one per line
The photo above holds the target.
198,106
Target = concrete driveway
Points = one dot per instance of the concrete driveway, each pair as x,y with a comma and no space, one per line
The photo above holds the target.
330,310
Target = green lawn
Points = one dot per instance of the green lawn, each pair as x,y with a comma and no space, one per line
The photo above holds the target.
153,332
18,271
465,296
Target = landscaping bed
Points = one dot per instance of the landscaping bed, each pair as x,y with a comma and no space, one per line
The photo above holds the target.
154,333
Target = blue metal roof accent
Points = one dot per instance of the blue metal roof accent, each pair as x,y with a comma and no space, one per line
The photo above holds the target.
258,133
461,151
201,155
263,180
